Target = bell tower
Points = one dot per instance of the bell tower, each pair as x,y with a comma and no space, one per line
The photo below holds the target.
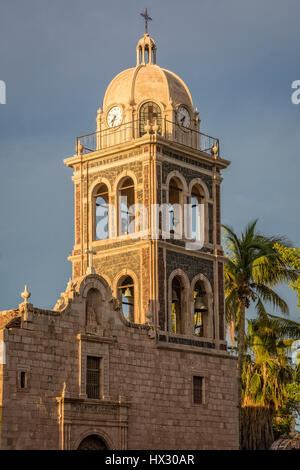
147,205
133,355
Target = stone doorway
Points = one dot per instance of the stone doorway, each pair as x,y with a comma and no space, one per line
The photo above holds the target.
92,442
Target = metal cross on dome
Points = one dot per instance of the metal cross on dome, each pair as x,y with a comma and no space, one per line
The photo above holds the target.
147,18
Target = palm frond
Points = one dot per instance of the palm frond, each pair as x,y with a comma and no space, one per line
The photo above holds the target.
270,296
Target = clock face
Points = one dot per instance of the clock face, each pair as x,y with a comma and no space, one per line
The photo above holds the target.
183,117
114,117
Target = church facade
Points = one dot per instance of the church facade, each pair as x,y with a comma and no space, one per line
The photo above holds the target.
134,353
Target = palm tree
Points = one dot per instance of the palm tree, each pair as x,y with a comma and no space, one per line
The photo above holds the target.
253,267
267,378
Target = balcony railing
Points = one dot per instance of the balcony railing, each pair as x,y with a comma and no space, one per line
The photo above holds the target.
190,137
128,131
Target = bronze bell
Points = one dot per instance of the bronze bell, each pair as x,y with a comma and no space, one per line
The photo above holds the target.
128,293
200,305
174,297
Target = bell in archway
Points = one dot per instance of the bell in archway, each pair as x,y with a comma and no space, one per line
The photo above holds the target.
128,293
174,297
200,305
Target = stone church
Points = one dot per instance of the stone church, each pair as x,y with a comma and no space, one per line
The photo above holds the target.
134,354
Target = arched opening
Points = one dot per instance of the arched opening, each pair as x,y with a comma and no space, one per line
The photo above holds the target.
153,51
147,60
176,201
149,112
101,212
177,302
93,307
126,199
92,442
201,311
197,214
126,297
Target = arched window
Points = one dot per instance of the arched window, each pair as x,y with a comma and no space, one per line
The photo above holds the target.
200,310
197,211
125,207
126,297
176,205
101,204
93,307
177,325
150,112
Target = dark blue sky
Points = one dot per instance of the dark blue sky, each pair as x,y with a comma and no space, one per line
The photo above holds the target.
57,57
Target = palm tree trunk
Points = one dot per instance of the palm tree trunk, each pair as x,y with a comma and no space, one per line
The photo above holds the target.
231,333
257,427
240,363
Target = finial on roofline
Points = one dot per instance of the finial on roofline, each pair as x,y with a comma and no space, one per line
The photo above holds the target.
26,295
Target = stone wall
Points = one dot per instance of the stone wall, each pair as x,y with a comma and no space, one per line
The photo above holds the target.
147,384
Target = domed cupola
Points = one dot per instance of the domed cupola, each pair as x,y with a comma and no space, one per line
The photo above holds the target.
146,51
148,92
148,81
